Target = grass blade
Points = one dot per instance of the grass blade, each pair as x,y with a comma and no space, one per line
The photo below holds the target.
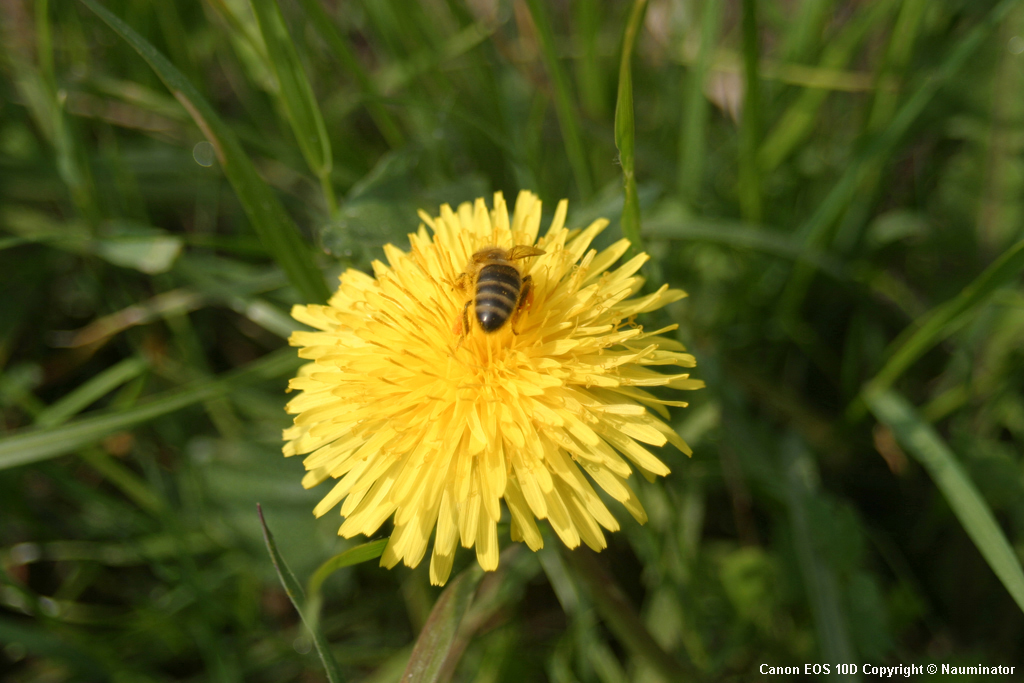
91,391
124,479
37,444
329,32
45,642
918,437
59,412
294,590
695,108
897,56
804,34
563,100
36,82
589,72
815,231
797,123
998,217
820,579
275,228
744,236
625,134
296,95
615,610
439,645
750,125
946,318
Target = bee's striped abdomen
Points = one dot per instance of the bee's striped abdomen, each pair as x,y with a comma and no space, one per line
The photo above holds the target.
497,292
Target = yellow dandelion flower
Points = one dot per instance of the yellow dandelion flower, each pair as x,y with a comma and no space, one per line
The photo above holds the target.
435,425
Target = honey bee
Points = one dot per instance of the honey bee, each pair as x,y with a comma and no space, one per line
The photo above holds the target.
500,291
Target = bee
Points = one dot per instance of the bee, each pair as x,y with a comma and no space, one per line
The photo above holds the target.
501,293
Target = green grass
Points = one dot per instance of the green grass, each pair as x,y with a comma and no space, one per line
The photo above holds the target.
175,176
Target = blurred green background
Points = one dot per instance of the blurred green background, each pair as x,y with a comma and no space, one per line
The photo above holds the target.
838,185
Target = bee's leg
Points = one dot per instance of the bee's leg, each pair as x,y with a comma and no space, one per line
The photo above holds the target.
465,325
525,301
465,318
462,282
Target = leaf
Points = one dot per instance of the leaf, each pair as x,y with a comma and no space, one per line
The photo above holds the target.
294,590
896,225
381,206
625,133
142,247
922,442
150,255
275,228
439,644
357,555
33,445
124,243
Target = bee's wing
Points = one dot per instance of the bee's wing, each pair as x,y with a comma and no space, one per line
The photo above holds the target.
488,254
523,251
